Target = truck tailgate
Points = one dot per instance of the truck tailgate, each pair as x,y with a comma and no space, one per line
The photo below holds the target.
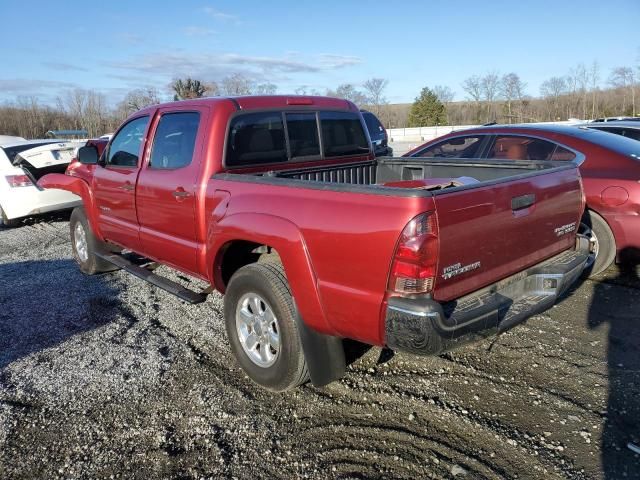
492,231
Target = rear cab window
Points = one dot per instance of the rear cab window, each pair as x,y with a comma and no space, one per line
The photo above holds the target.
272,137
174,140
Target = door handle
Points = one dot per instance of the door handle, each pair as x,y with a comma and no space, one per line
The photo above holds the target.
128,187
180,193
523,201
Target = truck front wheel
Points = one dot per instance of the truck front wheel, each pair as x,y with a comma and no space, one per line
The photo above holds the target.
85,245
260,317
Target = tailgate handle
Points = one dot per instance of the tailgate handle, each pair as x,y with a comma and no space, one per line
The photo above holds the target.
523,201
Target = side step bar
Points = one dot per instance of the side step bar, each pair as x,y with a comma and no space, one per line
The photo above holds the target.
164,283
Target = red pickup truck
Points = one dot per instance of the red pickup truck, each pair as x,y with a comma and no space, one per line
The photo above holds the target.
279,203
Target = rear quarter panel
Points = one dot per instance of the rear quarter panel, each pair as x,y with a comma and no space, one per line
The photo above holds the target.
349,240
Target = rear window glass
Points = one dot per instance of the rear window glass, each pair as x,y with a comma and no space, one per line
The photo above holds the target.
261,138
12,152
256,138
521,148
342,134
457,147
617,143
175,140
303,134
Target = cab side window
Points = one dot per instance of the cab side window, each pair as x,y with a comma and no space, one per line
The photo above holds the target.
175,140
457,147
124,149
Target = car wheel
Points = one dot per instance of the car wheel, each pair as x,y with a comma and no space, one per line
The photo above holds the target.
6,222
85,245
260,317
602,244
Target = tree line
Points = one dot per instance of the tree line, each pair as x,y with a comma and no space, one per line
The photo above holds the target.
492,97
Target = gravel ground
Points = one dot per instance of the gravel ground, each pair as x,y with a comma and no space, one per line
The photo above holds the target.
109,377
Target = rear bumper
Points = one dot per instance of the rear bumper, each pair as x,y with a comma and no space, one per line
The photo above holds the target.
25,201
423,326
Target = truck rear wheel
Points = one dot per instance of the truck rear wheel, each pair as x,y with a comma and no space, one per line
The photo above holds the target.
85,245
602,242
260,317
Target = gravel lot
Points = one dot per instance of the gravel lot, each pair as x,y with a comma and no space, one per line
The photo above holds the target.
108,377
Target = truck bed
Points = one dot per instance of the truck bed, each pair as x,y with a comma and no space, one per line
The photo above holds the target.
403,173
495,218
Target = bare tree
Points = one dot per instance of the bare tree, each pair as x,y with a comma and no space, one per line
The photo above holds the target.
266,89
490,89
594,78
374,88
552,90
237,84
473,87
623,78
137,99
444,93
87,110
349,92
511,89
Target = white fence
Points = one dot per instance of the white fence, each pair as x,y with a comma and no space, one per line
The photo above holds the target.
422,134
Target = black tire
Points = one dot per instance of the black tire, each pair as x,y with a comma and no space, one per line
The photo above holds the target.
8,223
268,282
88,262
594,225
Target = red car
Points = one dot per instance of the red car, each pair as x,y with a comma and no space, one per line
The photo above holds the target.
609,165
279,203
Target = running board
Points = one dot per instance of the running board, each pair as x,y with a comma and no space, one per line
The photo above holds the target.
164,283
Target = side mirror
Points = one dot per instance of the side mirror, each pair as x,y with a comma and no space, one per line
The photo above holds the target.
88,155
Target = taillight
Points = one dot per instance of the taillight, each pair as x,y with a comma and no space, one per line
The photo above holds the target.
415,261
15,181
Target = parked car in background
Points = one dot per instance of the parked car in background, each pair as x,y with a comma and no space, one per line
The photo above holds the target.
378,134
609,165
630,129
615,119
279,203
22,163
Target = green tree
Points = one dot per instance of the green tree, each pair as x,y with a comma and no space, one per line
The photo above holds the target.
188,88
427,110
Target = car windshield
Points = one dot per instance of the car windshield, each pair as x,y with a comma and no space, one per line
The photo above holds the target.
617,143
12,152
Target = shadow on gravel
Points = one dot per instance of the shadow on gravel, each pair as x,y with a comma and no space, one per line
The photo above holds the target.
50,217
43,303
620,308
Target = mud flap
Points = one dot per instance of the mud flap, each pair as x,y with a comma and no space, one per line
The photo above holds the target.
324,355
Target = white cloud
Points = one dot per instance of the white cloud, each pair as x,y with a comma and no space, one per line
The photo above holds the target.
218,15
217,65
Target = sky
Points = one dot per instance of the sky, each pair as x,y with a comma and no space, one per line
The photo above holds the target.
48,48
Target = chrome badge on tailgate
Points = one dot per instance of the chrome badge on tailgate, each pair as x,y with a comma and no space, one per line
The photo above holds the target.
458,269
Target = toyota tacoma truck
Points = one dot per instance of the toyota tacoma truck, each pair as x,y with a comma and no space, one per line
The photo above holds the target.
279,203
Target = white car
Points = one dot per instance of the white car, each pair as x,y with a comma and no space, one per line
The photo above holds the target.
22,163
